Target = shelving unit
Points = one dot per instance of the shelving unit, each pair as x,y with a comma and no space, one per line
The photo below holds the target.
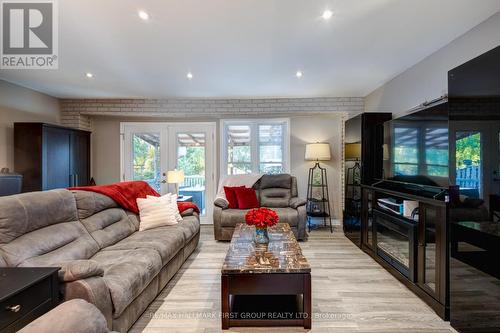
318,201
363,156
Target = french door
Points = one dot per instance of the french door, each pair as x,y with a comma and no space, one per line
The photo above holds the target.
150,150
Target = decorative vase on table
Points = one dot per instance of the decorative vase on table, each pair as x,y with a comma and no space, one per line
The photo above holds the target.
261,218
261,236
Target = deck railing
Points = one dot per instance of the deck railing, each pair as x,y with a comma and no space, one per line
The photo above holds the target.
469,177
193,181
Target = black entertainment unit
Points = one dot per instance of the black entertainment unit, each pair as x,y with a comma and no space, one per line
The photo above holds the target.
433,217
395,241
364,133
413,247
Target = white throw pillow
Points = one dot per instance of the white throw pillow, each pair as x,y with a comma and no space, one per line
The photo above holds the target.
169,199
154,213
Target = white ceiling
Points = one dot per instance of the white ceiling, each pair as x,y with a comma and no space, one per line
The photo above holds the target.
245,48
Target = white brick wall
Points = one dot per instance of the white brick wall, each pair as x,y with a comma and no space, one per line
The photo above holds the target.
76,112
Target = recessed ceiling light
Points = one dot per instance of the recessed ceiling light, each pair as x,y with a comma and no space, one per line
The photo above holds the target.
143,15
89,75
299,74
327,14
189,75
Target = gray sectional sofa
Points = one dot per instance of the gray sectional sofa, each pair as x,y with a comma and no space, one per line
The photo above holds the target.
278,192
104,259
79,317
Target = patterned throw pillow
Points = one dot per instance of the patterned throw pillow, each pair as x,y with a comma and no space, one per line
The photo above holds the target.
171,200
154,213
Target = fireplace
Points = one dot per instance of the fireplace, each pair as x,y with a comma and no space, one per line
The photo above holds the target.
395,241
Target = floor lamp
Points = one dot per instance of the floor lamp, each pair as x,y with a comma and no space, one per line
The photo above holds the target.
318,200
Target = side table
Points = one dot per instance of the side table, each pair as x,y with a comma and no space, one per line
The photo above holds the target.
26,293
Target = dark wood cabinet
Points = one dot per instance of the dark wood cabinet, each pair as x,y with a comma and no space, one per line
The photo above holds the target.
80,142
366,132
50,156
26,294
413,248
432,250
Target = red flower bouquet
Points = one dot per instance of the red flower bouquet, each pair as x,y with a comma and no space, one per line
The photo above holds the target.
261,218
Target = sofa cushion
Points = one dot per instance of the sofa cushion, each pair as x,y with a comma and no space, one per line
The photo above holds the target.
287,215
41,228
88,203
27,212
294,190
273,181
127,273
231,217
167,241
110,226
189,226
50,245
275,197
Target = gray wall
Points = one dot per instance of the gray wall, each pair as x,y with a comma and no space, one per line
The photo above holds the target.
303,129
428,79
19,104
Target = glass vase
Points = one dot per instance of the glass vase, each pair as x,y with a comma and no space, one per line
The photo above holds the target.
261,236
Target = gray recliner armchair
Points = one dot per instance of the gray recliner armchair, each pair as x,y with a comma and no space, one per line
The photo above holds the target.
278,192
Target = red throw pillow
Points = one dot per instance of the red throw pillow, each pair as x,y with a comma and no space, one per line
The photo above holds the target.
247,198
231,196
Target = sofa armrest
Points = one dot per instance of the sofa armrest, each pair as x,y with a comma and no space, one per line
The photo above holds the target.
217,219
296,202
221,203
302,226
93,290
74,316
79,269
187,212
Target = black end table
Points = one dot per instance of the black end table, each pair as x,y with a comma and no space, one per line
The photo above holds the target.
26,293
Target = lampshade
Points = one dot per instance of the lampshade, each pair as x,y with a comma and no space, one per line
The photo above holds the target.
318,152
175,176
353,151
386,153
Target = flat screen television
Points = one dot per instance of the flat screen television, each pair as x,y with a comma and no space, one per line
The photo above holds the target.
416,147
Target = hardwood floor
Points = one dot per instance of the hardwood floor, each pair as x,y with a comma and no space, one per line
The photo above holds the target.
351,293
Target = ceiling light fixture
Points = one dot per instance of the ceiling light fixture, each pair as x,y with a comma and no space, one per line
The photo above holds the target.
299,74
89,75
327,14
143,15
189,75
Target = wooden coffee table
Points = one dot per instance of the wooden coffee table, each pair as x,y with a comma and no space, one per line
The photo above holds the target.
265,285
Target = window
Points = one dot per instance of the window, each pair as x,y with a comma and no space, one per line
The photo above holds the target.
239,155
255,146
436,151
406,151
410,159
